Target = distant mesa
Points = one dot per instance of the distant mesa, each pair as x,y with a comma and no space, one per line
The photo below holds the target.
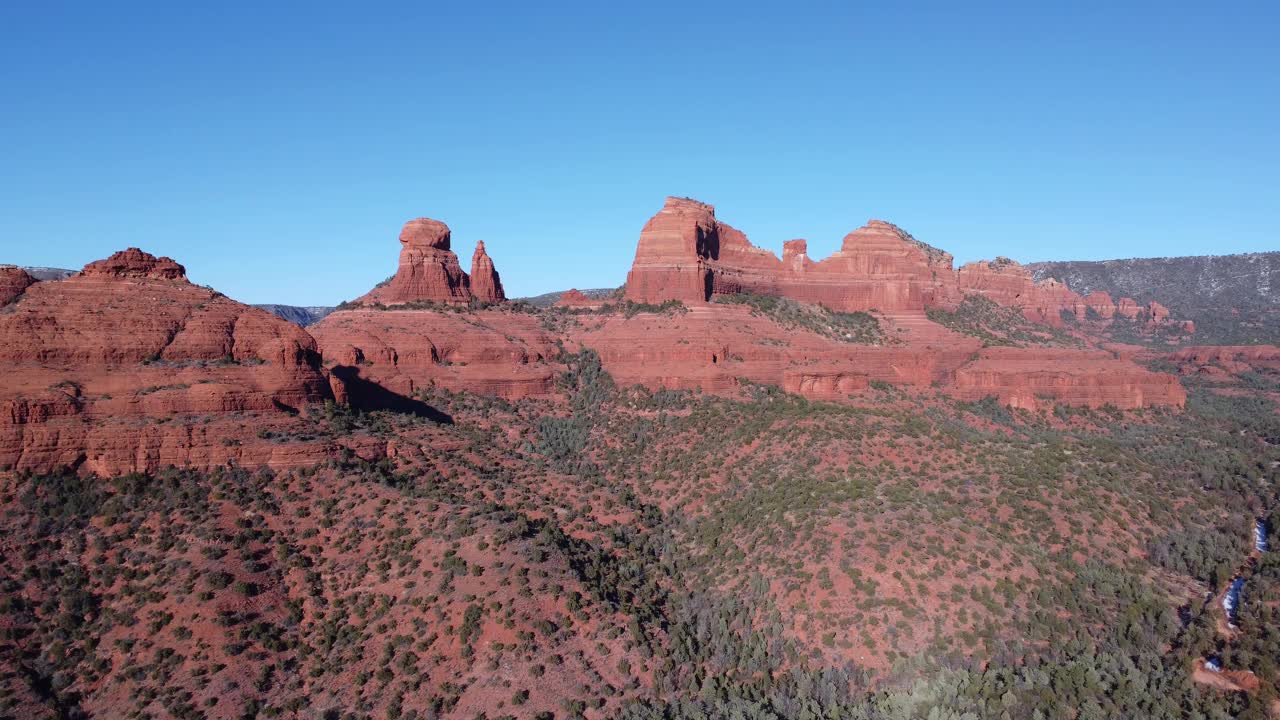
49,273
302,315
685,253
429,271
574,298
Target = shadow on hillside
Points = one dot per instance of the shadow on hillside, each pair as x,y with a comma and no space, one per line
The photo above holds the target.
367,395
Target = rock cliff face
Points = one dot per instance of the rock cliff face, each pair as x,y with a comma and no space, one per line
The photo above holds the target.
403,351
97,366
429,270
1035,378
671,257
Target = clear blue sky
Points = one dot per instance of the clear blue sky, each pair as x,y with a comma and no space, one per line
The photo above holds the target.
277,151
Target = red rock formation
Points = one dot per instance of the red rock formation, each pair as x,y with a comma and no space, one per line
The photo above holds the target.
134,263
1032,378
1128,308
795,255
489,351
1098,306
1222,360
879,267
713,345
575,299
91,363
670,257
1008,283
486,286
428,270
13,282
685,254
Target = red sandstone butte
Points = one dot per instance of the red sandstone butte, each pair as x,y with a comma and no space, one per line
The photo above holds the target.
13,282
686,254
428,270
127,366
486,286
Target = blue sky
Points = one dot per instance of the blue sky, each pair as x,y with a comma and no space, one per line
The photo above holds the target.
277,151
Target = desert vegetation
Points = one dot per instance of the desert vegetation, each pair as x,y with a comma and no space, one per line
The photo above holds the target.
622,552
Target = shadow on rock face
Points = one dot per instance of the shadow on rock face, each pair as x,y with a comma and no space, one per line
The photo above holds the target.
368,395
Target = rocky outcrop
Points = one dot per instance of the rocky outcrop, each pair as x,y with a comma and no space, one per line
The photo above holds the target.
486,286
1034,378
429,271
93,361
13,282
823,384
134,263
